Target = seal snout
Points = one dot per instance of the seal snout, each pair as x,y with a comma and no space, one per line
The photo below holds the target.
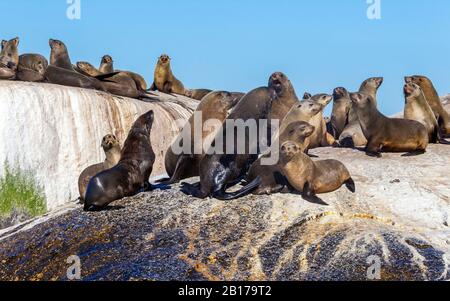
408,89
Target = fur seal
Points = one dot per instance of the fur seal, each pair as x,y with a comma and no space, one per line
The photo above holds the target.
111,146
32,68
320,137
131,174
197,93
388,134
107,66
286,96
272,179
432,97
59,55
353,136
164,80
214,106
340,113
9,58
417,108
217,171
313,177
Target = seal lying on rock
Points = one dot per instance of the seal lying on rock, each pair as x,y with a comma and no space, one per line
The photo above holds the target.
131,174
32,68
312,177
388,134
432,97
112,149
9,58
107,66
272,179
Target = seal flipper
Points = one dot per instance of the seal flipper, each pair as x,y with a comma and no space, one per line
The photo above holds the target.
194,190
106,76
152,88
177,176
224,196
350,184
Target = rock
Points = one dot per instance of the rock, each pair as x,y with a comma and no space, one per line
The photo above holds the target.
56,131
398,219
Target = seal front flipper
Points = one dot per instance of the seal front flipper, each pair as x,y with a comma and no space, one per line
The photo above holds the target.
224,196
194,190
350,184
152,88
415,153
106,76
182,163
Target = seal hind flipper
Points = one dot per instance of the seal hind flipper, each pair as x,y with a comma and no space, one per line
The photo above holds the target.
350,184
224,196
415,153
193,190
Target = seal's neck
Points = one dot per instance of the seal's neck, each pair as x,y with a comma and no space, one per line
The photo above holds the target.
113,156
107,68
372,91
61,60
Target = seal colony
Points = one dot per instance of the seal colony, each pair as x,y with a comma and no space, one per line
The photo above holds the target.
222,158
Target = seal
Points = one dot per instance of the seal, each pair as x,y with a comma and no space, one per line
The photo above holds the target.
9,58
417,108
116,77
320,137
107,66
272,179
131,174
111,146
59,55
219,168
353,136
340,112
388,134
164,80
312,178
214,106
432,97
65,77
197,94
286,96
32,68
307,95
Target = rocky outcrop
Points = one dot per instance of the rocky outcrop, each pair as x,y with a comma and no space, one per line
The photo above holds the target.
399,219
56,131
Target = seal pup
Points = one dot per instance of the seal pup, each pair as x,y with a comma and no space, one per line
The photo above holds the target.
340,113
388,134
107,66
272,179
131,174
9,58
313,177
432,97
286,96
164,80
112,149
353,136
214,106
219,169
32,68
417,108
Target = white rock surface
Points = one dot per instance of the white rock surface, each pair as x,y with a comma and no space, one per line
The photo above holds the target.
56,131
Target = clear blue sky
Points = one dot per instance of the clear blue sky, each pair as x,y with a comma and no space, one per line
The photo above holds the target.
235,45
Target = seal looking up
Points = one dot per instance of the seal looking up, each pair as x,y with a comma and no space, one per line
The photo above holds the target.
9,58
164,80
417,108
131,174
313,177
388,134
433,100
111,146
286,96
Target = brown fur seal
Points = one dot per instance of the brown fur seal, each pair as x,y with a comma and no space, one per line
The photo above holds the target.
217,171
432,97
286,96
320,137
9,58
59,55
309,177
107,66
197,93
272,179
418,109
111,146
131,174
353,136
340,113
388,134
32,68
164,80
214,106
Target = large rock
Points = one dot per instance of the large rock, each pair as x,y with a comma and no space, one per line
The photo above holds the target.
399,217
56,131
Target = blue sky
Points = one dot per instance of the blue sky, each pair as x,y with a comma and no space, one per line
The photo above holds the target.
235,45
